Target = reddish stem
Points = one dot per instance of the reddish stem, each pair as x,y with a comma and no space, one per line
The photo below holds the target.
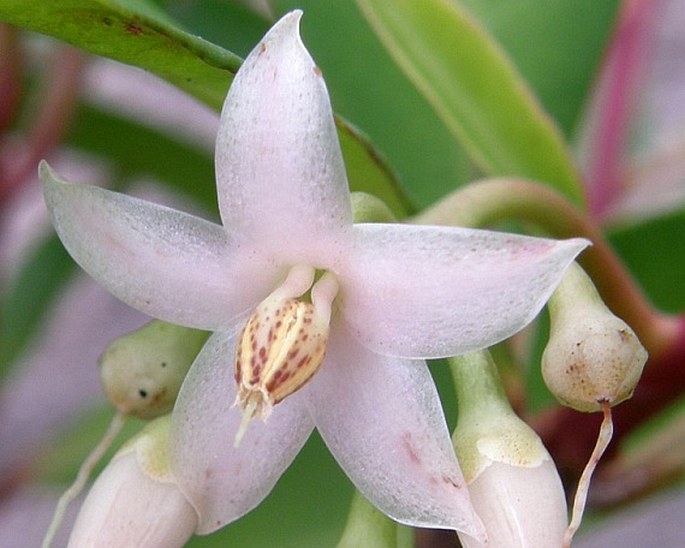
619,82
10,75
49,123
570,435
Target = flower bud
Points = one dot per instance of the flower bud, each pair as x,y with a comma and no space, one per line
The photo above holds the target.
592,356
513,483
135,501
142,372
369,527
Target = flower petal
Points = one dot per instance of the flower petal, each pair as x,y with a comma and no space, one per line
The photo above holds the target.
280,174
431,292
221,481
168,264
382,420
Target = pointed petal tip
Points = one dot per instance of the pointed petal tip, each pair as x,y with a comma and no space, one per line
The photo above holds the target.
277,150
286,27
53,185
43,168
47,175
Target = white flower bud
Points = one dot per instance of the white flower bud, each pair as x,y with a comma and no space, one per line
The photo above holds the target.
135,502
521,506
592,356
513,483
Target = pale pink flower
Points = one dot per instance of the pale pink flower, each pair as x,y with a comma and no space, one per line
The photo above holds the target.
395,295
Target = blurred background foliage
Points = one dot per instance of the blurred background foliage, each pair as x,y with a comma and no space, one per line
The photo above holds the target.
397,145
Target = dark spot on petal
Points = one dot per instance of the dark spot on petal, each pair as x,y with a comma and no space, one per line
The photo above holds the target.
451,481
410,449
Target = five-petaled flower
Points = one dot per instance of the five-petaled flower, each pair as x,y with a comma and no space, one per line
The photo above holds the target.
392,294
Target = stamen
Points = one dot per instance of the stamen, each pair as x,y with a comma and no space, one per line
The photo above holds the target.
283,344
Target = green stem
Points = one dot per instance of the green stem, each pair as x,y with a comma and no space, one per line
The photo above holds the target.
477,384
367,526
486,203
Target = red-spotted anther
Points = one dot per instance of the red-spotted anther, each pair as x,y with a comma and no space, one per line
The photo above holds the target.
283,344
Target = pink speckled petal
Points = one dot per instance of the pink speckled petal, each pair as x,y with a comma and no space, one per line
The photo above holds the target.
431,292
382,420
222,482
168,264
280,174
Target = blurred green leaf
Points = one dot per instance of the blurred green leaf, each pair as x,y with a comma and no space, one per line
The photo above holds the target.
557,46
370,91
37,284
122,141
653,251
133,32
475,90
368,172
308,507
138,34
232,24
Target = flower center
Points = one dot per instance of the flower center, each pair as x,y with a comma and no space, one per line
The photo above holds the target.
283,343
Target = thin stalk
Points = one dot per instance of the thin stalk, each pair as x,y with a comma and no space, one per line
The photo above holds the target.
82,477
606,431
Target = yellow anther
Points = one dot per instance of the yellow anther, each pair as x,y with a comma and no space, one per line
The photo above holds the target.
280,348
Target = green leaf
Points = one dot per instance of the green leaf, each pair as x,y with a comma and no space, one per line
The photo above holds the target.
370,91
475,90
368,172
557,46
134,33
138,34
232,24
653,252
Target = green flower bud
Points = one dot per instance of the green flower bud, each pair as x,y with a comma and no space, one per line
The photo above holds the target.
513,482
369,527
592,356
142,372
369,209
